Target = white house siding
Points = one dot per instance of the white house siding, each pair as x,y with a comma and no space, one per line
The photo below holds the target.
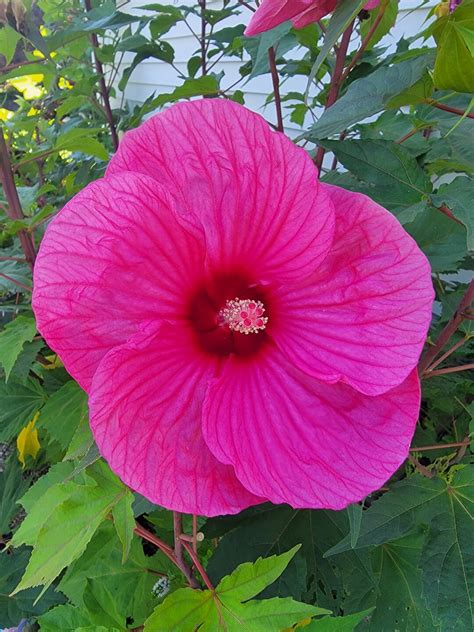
153,76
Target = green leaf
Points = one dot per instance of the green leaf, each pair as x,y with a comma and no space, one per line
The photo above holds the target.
57,473
18,403
397,179
80,139
82,445
338,624
102,604
9,39
187,609
386,23
457,196
455,149
67,618
157,50
25,361
444,583
355,517
400,605
133,43
250,579
393,515
448,557
419,92
63,413
16,273
454,66
73,514
345,12
124,521
71,104
12,485
161,24
23,604
258,48
267,529
207,84
442,240
99,19
261,616
18,331
131,582
368,96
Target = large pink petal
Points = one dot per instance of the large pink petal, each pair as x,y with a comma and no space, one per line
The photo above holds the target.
294,440
113,258
146,400
363,317
371,4
271,13
255,194
315,12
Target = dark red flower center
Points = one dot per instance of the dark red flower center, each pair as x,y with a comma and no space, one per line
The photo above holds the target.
229,314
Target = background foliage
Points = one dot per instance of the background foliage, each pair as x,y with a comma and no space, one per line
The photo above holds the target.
83,552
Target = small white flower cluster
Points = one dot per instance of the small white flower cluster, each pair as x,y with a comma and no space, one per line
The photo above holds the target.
161,587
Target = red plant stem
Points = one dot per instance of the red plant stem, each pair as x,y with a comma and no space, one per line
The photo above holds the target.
364,42
448,331
441,446
446,211
151,537
20,64
14,210
446,355
321,26
195,525
202,4
336,82
178,550
407,136
247,5
449,108
198,565
342,135
422,469
18,259
168,551
103,86
276,87
11,280
449,369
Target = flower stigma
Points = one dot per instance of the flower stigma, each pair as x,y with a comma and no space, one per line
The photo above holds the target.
244,315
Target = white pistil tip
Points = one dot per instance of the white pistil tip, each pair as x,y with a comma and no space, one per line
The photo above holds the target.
244,315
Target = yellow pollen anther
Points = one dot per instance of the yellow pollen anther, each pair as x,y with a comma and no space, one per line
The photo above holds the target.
244,315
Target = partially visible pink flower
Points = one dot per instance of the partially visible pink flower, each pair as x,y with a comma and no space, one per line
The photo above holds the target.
244,332
271,13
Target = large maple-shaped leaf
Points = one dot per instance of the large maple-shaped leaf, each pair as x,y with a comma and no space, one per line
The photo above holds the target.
63,521
227,607
345,582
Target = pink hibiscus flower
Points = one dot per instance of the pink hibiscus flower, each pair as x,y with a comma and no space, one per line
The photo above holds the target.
271,13
244,332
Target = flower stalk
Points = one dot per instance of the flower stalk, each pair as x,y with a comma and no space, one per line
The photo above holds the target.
365,42
179,546
449,108
336,82
102,85
276,87
14,210
424,366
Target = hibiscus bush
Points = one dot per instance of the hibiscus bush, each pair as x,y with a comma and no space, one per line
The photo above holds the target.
236,348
